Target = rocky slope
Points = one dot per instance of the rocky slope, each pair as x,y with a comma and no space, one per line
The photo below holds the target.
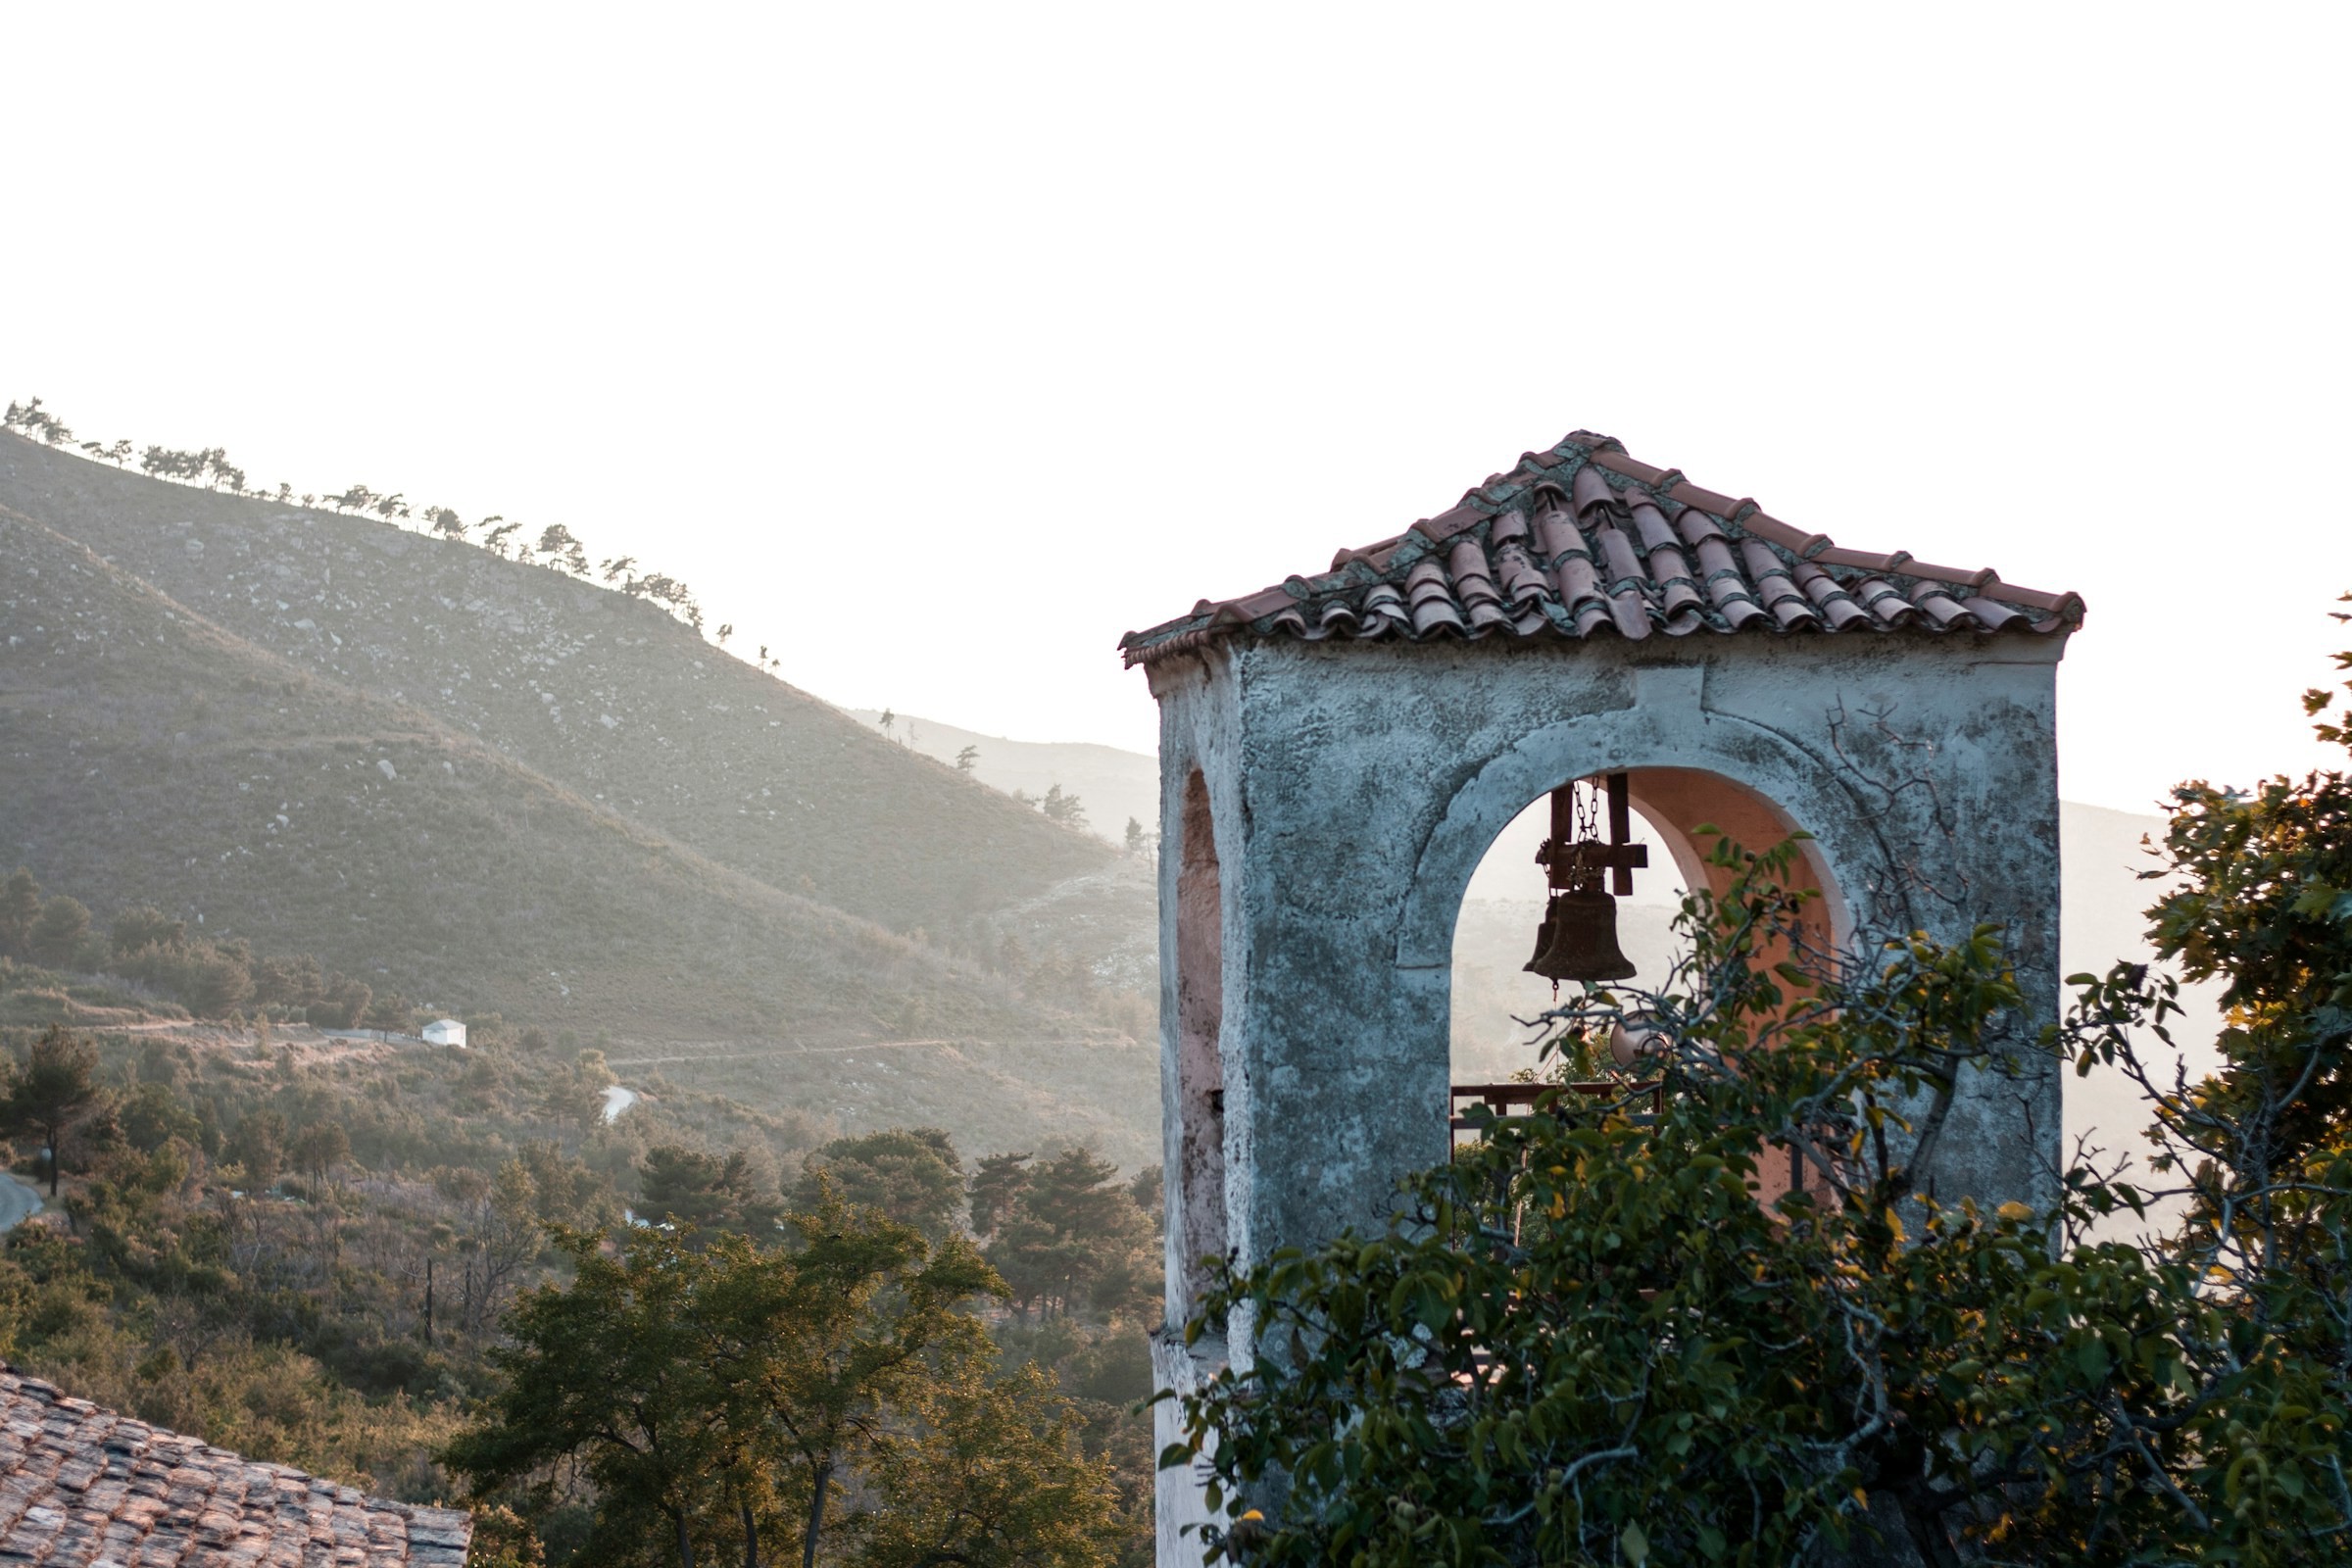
493,787
148,753
605,695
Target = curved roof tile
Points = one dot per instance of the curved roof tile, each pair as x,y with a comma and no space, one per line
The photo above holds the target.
1582,539
81,1487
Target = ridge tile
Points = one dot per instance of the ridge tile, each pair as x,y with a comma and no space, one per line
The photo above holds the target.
1582,537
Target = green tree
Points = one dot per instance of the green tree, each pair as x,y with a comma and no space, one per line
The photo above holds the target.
910,1174
709,1192
153,1115
2264,902
57,935
991,1475
1586,1340
293,981
215,983
144,926
214,467
575,1095
343,1001
389,1013
995,1187
502,1539
319,1147
1074,1237
31,419
166,463
1063,808
968,759
54,1090
566,1194
20,907
729,1391
258,1144
821,1342
502,1224
1148,1190
556,542
607,1374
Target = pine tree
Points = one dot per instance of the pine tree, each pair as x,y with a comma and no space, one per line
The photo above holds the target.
56,1090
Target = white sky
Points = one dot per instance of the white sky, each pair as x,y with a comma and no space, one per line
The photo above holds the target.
937,347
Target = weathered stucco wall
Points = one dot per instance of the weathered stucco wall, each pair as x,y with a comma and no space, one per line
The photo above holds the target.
1355,788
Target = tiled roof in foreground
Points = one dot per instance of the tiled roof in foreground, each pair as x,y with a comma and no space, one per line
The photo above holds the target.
81,1484
1583,540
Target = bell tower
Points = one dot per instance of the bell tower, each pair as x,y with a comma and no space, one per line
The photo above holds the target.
1339,751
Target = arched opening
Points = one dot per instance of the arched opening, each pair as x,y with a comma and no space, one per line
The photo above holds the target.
1494,936
1197,1187
1495,931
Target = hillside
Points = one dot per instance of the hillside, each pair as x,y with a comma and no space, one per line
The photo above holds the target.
147,754
1114,785
593,818
605,694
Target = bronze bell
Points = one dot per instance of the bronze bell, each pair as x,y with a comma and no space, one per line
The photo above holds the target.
1543,936
1578,939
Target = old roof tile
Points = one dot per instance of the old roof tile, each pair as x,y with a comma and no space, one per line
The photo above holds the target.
1583,538
81,1485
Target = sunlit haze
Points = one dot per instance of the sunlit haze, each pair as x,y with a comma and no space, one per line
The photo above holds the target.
935,348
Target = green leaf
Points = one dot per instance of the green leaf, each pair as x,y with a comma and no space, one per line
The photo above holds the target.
1634,1543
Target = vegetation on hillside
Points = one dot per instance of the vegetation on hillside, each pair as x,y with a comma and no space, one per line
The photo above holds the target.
308,1247
148,753
835,1394
143,961
579,687
1586,1340
555,547
305,1245
494,789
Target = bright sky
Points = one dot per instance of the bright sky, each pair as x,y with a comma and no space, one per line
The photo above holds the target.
936,347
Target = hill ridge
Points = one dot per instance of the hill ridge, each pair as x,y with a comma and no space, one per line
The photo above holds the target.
561,675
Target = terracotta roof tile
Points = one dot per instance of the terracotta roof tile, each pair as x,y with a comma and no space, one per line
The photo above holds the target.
1583,540
83,1485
